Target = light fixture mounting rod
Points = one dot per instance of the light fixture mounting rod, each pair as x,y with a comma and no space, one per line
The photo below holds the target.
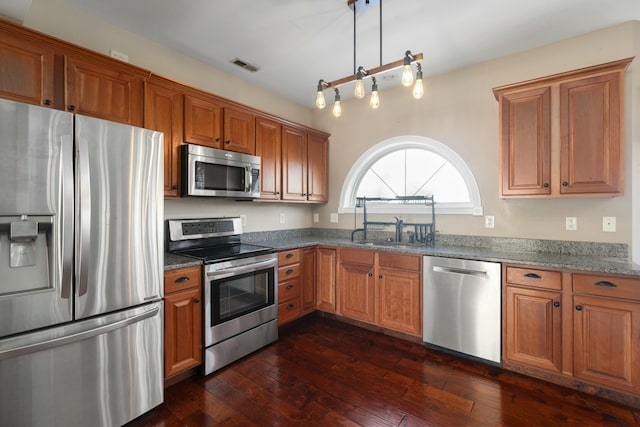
390,66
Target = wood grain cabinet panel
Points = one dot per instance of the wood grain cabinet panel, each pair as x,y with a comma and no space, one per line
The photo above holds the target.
106,90
163,112
399,300
239,131
269,149
357,294
534,327
606,342
203,120
318,168
308,278
294,164
326,279
182,320
27,70
562,135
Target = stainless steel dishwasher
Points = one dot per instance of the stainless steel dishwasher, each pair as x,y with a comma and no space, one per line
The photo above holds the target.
461,306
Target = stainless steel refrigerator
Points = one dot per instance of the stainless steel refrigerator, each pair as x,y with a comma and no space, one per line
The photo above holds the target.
81,250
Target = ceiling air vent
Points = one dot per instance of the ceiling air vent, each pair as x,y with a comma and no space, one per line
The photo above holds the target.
242,64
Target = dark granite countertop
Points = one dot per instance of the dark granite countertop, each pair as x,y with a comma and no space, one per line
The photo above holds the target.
613,265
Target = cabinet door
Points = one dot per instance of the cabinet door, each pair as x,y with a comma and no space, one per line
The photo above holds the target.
399,300
27,70
591,144
239,131
202,121
269,148
525,120
606,343
357,291
318,172
294,164
107,91
326,279
182,331
308,273
533,329
163,109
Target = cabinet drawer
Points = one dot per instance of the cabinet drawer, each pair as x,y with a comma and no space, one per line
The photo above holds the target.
181,279
536,278
357,256
288,290
289,310
608,286
288,272
399,261
288,257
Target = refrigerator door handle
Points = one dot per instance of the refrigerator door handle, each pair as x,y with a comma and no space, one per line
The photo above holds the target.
21,348
83,210
65,258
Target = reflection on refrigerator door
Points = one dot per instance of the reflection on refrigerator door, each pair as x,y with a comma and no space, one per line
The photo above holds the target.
79,344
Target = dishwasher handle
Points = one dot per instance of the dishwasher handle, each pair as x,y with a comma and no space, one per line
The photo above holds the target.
455,270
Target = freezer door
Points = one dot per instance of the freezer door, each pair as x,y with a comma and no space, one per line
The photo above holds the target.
104,371
36,217
119,210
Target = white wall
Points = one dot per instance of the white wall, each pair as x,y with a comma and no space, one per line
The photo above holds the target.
459,110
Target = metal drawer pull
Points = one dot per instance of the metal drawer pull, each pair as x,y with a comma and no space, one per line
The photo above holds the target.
289,255
605,284
289,306
182,279
533,276
289,286
289,271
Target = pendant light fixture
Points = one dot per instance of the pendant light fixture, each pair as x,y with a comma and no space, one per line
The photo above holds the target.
361,73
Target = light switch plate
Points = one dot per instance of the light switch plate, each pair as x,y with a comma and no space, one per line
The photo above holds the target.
489,221
571,223
282,218
334,217
316,217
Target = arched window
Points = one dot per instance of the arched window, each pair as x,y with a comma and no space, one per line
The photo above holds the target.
412,166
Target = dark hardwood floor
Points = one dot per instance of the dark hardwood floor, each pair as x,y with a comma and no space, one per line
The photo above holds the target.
326,373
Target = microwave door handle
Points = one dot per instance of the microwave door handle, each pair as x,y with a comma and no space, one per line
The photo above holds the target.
248,178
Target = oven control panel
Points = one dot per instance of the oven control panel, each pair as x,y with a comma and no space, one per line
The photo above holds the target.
203,228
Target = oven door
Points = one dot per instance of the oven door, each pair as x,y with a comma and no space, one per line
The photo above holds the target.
239,295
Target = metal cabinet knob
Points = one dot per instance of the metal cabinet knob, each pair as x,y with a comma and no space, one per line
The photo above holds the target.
545,185
556,304
182,279
579,307
196,301
289,306
289,271
380,276
289,286
565,183
370,274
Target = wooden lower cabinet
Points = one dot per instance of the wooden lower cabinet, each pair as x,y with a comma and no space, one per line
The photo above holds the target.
326,264
182,320
308,296
381,288
534,327
577,329
289,301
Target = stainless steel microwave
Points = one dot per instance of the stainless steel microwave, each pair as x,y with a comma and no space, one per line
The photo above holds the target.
211,172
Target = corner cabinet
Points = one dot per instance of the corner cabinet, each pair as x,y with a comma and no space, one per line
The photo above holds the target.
381,288
182,320
562,135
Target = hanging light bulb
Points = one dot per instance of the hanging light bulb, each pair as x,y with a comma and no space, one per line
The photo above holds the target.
407,72
358,92
374,102
418,88
320,102
337,108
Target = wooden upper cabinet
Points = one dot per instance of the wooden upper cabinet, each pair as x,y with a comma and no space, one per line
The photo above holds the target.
525,119
269,148
239,131
203,121
318,167
294,164
163,112
562,135
26,70
106,90
591,135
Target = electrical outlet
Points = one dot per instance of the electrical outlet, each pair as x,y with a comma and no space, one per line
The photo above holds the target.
316,217
334,217
243,220
571,223
489,221
282,218
119,55
609,223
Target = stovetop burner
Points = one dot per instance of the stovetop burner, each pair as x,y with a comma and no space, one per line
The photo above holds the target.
210,239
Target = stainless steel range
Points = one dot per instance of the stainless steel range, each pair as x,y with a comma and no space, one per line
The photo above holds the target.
240,280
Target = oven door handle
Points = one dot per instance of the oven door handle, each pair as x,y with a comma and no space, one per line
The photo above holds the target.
247,268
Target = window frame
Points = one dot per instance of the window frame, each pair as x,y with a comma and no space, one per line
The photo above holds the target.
381,149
